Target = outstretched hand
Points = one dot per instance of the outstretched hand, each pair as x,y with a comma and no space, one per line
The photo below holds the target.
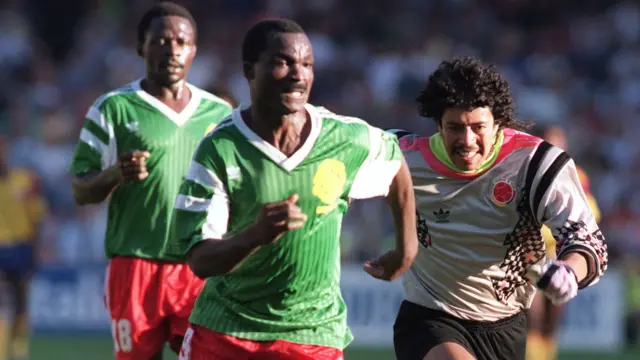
389,266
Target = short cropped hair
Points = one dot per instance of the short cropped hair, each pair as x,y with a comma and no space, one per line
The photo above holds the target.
161,9
466,83
255,41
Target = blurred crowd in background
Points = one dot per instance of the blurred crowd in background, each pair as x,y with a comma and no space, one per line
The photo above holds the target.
572,63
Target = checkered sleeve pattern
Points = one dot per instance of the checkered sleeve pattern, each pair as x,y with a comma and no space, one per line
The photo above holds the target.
525,248
568,215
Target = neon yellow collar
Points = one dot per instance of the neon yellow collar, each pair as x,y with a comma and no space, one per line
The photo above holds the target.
437,147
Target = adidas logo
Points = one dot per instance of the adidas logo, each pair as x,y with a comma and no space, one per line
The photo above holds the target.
442,216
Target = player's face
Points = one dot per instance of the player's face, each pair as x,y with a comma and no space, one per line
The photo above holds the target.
169,49
468,136
283,76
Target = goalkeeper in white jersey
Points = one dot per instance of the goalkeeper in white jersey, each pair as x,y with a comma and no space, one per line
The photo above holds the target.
483,191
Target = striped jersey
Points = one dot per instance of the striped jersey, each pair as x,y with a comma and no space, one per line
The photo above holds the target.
288,290
129,119
480,232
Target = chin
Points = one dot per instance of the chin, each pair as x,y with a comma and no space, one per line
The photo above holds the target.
292,108
465,166
170,80
175,79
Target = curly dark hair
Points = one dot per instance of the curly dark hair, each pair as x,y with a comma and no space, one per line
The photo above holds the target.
466,83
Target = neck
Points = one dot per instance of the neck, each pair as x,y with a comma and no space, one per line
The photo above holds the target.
175,91
285,132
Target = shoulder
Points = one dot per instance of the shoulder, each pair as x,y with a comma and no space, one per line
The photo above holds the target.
342,121
518,139
400,133
114,96
516,148
541,154
222,137
351,129
218,147
409,141
210,98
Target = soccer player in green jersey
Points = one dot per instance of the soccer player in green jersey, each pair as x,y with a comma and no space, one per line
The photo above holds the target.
135,147
260,211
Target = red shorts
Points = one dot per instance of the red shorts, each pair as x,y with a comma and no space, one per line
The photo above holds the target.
149,303
204,344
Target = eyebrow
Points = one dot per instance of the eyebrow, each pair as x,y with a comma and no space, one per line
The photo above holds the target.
289,57
282,55
178,34
480,122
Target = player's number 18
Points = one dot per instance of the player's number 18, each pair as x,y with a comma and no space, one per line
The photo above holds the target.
121,331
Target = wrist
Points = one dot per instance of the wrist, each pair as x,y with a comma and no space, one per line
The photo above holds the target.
578,263
114,175
255,237
407,248
573,272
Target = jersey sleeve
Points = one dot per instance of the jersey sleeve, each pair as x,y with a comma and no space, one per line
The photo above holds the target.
201,209
379,168
565,209
96,147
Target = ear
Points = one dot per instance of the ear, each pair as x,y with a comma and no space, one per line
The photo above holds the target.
248,70
194,51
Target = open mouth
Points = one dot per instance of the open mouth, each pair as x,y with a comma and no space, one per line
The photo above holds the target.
466,156
296,94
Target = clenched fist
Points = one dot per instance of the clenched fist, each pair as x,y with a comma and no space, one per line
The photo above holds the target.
277,218
133,165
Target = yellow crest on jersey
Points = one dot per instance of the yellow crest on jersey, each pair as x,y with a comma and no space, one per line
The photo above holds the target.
210,129
328,184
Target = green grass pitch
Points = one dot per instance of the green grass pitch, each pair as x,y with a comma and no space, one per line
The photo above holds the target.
57,347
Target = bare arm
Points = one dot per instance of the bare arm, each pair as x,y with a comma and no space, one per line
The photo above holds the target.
212,257
401,201
579,263
95,186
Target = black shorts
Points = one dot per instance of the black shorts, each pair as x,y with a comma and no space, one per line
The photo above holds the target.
417,330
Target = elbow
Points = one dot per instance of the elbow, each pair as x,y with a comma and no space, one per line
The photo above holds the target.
84,196
79,197
202,266
84,199
197,267
198,271
203,271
